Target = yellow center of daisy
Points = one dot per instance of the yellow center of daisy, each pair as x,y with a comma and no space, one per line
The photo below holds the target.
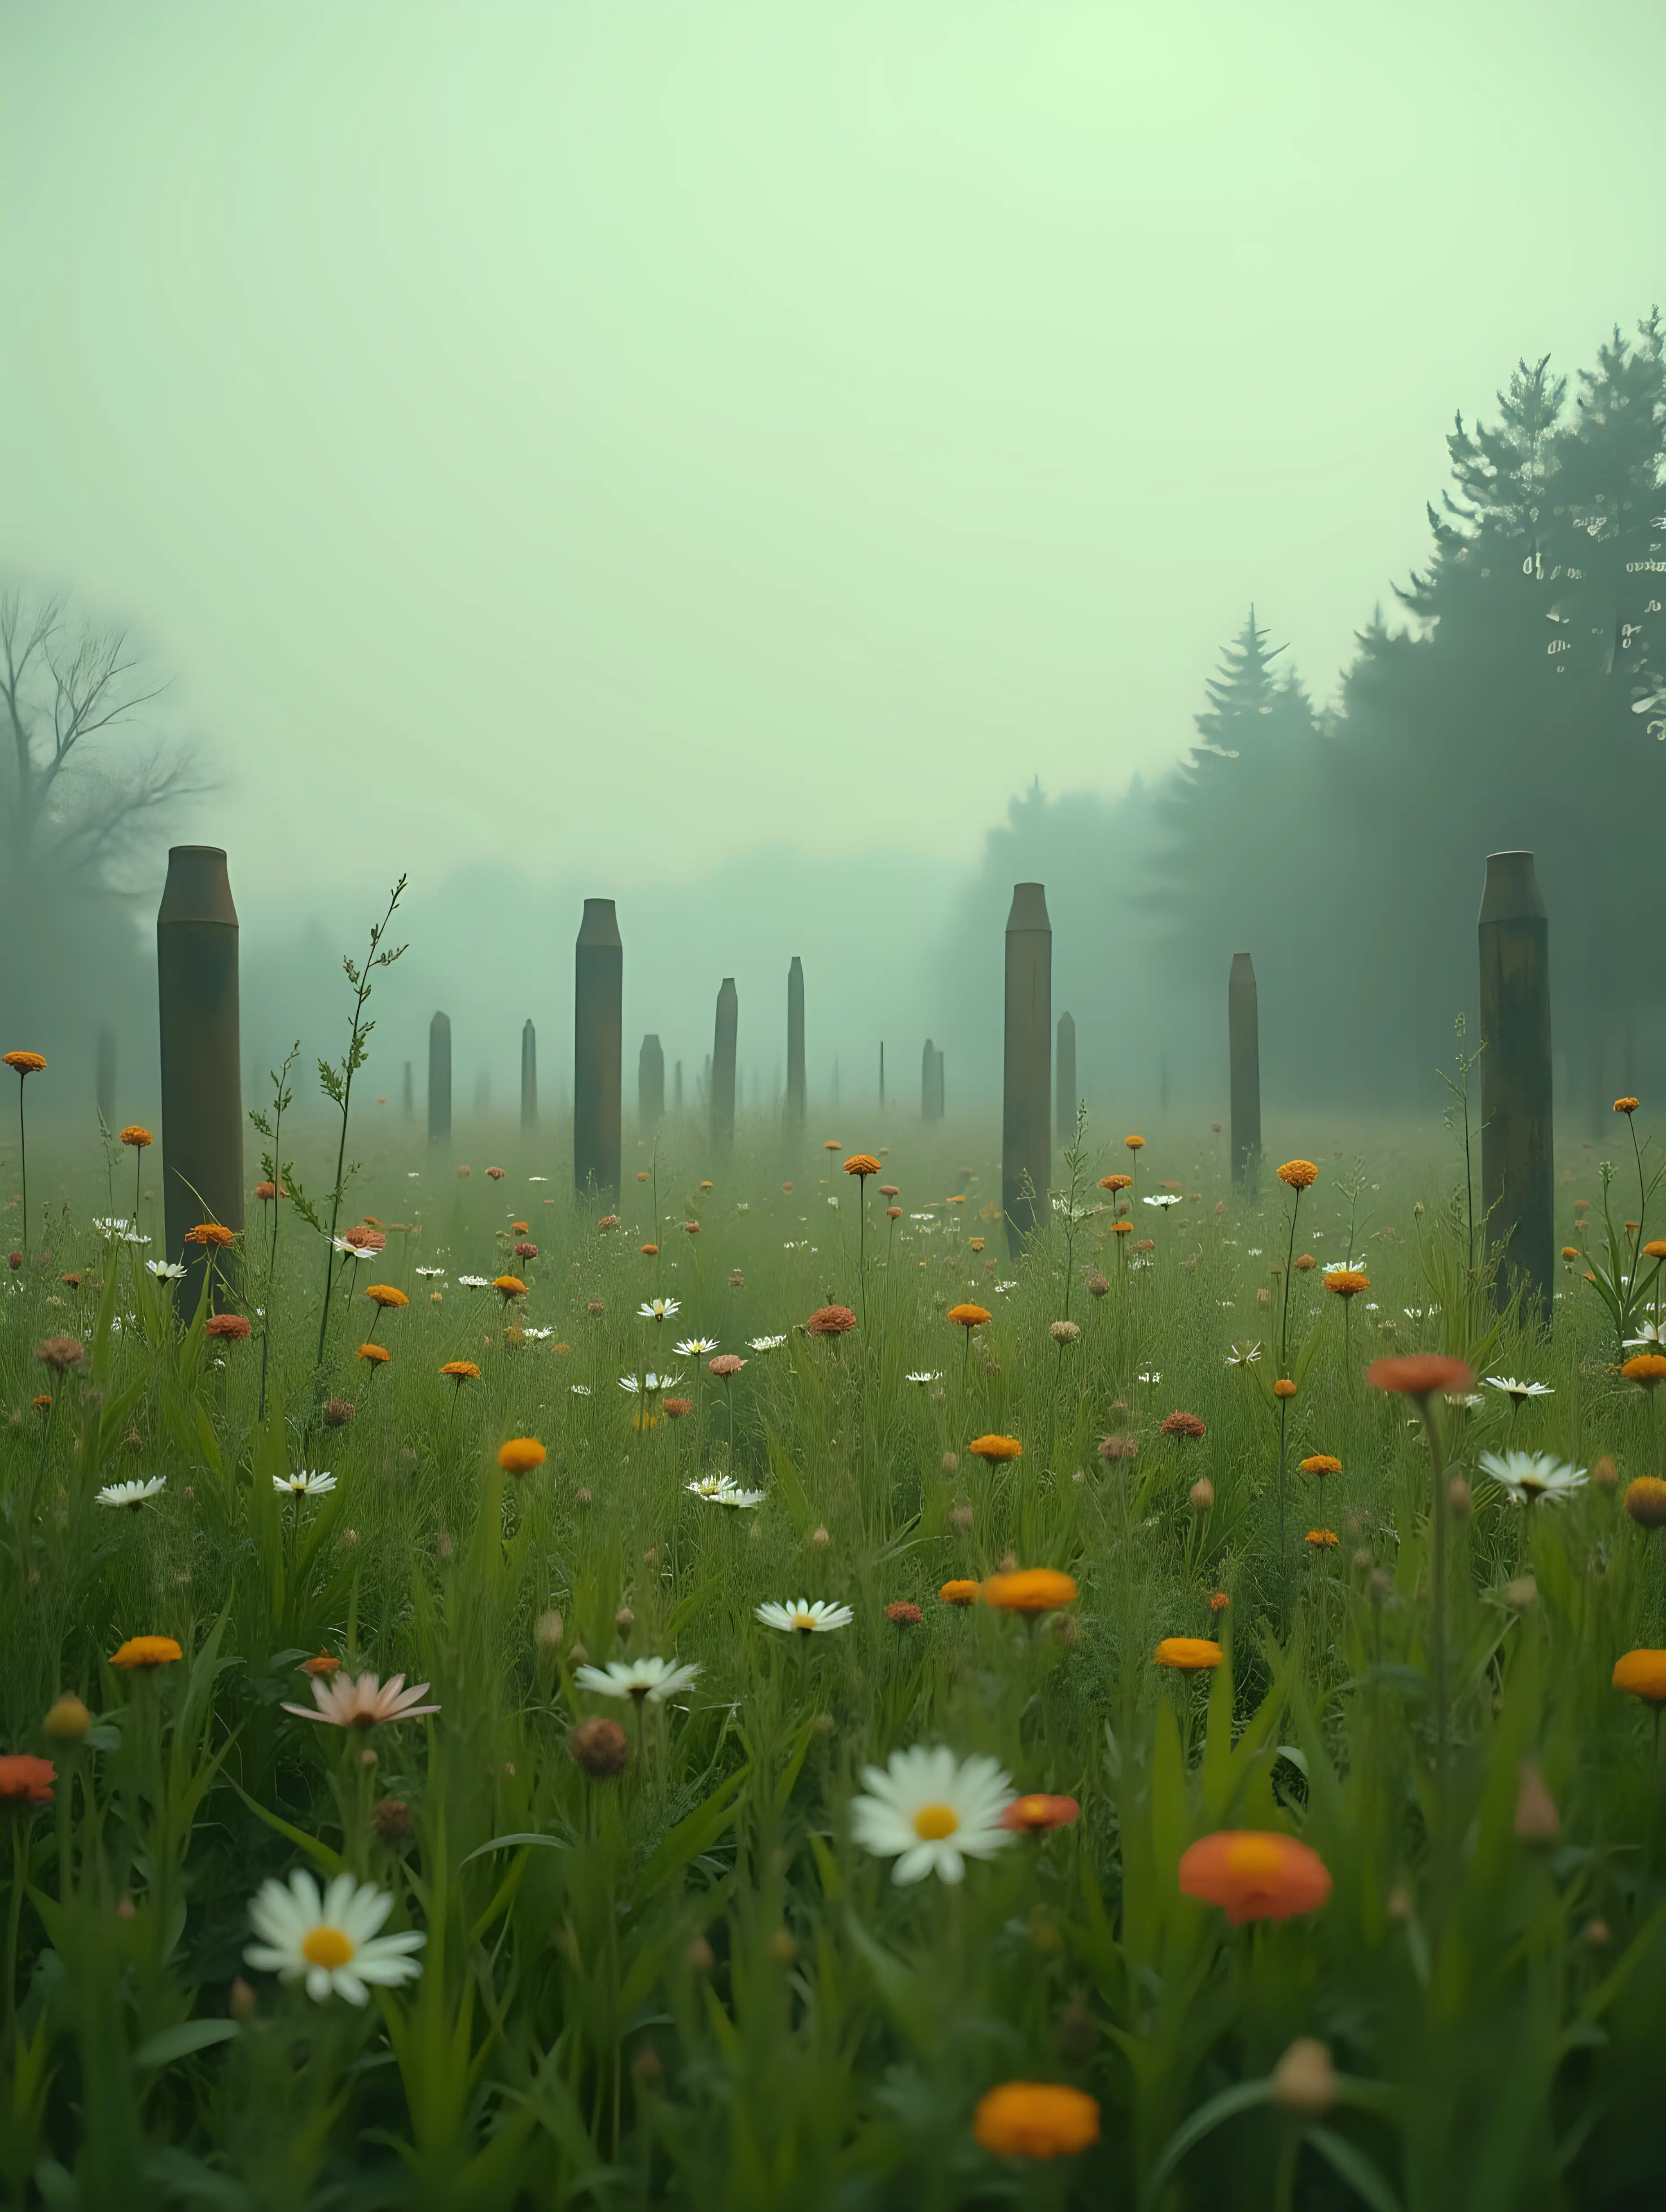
932,1822
805,1620
327,1947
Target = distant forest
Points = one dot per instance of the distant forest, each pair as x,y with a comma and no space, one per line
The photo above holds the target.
1516,699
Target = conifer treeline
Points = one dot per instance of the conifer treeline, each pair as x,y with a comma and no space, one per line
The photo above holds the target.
1518,699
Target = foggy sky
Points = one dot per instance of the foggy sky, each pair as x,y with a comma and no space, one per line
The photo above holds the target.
627,435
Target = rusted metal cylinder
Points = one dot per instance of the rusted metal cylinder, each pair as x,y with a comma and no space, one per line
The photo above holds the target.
1065,1078
797,1096
598,1049
1243,1051
196,1004
651,1083
1027,1148
1517,1146
723,1075
439,1080
528,1077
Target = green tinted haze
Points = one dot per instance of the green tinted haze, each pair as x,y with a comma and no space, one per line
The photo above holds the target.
623,436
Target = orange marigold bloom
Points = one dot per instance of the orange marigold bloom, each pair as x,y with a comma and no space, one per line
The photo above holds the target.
692,1228
1300,1175
1321,1464
1115,1182
1121,1227
226,1327
1654,1250
325,1663
993,1448
1644,1674
675,1407
960,1592
496,1174
1420,1374
147,1651
1620,1105
1306,1263
520,1455
1645,1501
267,1192
24,1063
1220,1602
830,1321
509,1286
364,1237
136,1136
969,1317
214,1233
608,1221
1646,1369
832,1145
1321,1540
1029,1590
1033,1816
1182,1425
1135,1144
461,1370
519,1227
377,1354
26,1780
1254,1876
386,1294
862,1163
650,1251
1570,1252
1036,2119
973,1244
1187,1655
1284,1387
1348,1282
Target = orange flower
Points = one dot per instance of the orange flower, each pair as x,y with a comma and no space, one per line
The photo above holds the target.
830,1321
1284,1387
1030,1590
520,1455
1644,1674
519,1227
960,1592
267,1192
1570,1252
706,1186
326,1663
147,1651
1646,1369
1321,1464
973,1244
1254,1876
1187,1655
650,1251
1306,1263
496,1174
386,1294
862,1163
1033,1816
1036,2119
1321,1540
1654,1250
363,1237
509,1286
1179,1424
969,1317
958,1198
1645,1501
692,1228
24,1063
1220,1602
213,1233
1620,1105
1348,1282
461,1371
993,1448
1420,1374
1121,1227
832,1145
26,1780
608,1221
226,1327
1135,1144
136,1137
1115,1182
1300,1175
377,1354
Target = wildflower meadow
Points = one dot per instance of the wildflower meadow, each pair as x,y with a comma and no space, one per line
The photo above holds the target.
777,1689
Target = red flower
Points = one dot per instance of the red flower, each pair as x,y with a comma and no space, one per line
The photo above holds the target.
1032,1816
26,1780
901,1614
1182,1425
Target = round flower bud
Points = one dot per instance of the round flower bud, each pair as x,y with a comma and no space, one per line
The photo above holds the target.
600,1748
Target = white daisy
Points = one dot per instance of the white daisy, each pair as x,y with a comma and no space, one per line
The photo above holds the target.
133,1494
1150,1378
1244,1355
745,1500
1251,1251
656,1680
696,1348
536,1335
709,1485
1530,1476
1651,1335
1163,1198
111,1224
806,1618
922,1375
537,1178
1004,1287
1337,1267
765,1343
832,1202
659,1308
306,1483
474,1282
579,1389
132,1237
351,1251
438,1274
330,1943
165,1271
1519,1392
650,1385
931,1813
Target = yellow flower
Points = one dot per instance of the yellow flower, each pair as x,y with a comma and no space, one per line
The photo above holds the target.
147,1651
1029,1590
520,1455
1298,1174
1036,2119
1187,1655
